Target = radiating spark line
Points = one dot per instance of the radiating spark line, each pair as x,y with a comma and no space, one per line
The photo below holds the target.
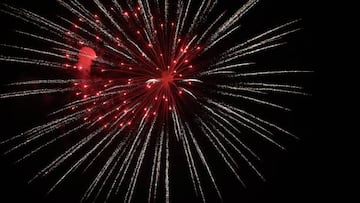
34,92
158,163
220,125
270,73
205,163
53,165
230,22
264,34
259,101
51,142
31,61
215,144
45,39
167,177
247,126
38,82
250,52
102,172
139,163
217,70
198,181
78,163
154,169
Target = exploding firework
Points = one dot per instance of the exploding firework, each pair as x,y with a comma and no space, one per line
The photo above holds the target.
152,81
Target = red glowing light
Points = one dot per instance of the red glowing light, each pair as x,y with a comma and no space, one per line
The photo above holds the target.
161,85
166,77
85,58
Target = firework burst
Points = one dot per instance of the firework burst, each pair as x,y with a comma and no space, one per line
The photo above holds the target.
149,77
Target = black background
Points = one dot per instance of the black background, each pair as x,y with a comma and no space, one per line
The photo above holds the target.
301,174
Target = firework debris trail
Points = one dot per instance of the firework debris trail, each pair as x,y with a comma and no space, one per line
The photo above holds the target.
147,72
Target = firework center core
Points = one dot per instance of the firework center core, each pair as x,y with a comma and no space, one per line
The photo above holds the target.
166,77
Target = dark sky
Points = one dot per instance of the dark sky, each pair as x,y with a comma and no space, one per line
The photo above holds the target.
297,175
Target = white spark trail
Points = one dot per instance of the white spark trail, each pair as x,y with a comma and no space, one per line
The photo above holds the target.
186,13
195,19
242,49
39,82
167,165
244,157
213,43
35,51
270,73
235,137
233,19
261,120
155,169
210,27
37,132
104,169
220,124
228,110
166,9
218,143
216,70
191,164
205,163
52,141
45,39
139,162
259,101
265,34
129,156
79,162
35,92
22,60
54,164
249,52
121,168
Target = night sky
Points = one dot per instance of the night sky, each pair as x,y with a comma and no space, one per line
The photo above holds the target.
295,175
